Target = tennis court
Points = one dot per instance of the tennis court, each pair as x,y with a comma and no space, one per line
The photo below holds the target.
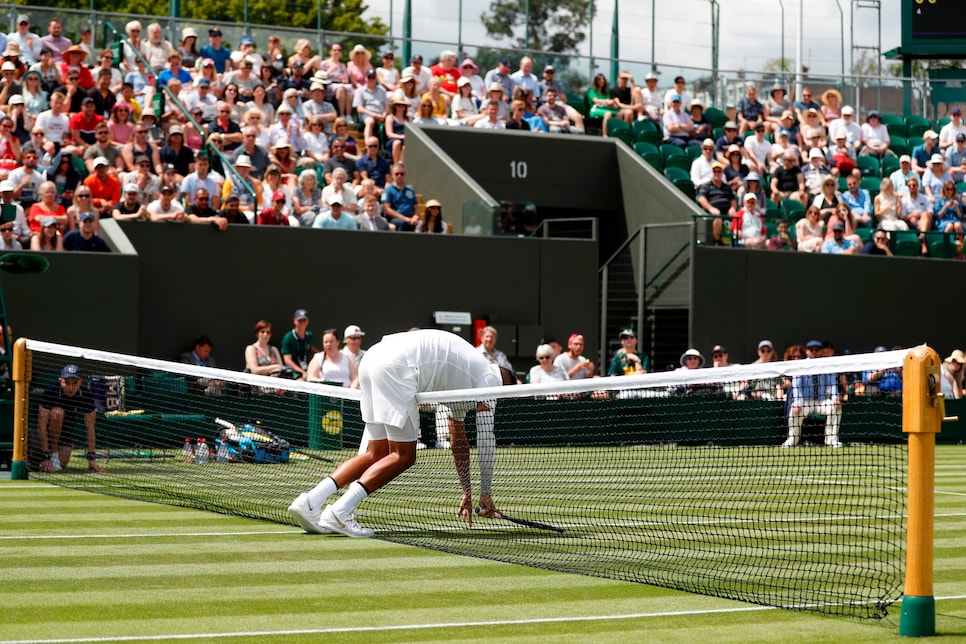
86,567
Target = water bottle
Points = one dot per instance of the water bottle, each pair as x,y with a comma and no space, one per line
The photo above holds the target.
187,452
201,452
221,456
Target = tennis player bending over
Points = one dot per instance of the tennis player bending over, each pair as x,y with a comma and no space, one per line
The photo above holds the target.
394,371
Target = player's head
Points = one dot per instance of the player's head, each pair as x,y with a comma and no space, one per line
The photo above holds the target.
505,375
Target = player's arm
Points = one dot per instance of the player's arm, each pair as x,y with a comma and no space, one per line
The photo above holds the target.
89,419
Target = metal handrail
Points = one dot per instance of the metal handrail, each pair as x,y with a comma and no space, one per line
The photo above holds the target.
544,226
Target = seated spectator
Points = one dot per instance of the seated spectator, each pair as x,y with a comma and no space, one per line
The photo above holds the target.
750,111
282,156
177,153
425,114
370,102
341,188
748,227
831,105
516,120
782,240
651,99
783,143
336,216
555,115
948,133
717,198
956,157
261,358
853,131
201,212
916,209
948,210
701,166
316,142
48,207
307,199
232,211
923,154
702,126
875,138
396,128
678,127
691,359
545,370
200,356
952,372
8,237
273,183
788,182
339,159
806,104
437,98
827,201
752,186
84,238
878,245
758,150
48,238
602,104
935,177
130,206
775,108
841,156
623,101
370,219
843,215
902,175
736,172
463,107
491,120
859,202
813,138
166,207
810,230
887,207
244,188
839,245
388,75
816,172
331,365
728,139
274,215
487,348
399,201
431,220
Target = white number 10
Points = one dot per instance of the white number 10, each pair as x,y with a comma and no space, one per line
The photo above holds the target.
518,169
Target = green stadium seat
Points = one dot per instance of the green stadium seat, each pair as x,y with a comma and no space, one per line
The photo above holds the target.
843,185
961,187
773,215
693,151
899,145
942,122
896,129
642,148
655,160
685,186
865,234
627,136
654,138
792,210
646,126
872,184
905,243
890,165
916,125
717,117
717,133
676,161
914,142
577,102
675,174
869,166
620,129
888,119
941,245
671,150
161,383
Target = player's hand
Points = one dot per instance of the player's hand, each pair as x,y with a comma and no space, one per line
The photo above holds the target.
465,511
94,467
487,509
46,465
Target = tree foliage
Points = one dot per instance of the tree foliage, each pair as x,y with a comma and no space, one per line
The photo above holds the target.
555,25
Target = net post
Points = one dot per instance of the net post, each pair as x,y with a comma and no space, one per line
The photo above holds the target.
922,414
21,379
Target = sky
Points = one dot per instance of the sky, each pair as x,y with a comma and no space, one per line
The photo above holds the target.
750,30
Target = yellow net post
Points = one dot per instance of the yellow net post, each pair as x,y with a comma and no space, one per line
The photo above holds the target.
21,382
922,415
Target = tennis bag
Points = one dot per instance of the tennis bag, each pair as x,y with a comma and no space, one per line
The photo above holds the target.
251,444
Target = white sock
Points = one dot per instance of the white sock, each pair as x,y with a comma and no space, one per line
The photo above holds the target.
322,491
485,449
347,503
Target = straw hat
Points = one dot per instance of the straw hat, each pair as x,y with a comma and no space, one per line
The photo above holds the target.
359,49
956,356
831,92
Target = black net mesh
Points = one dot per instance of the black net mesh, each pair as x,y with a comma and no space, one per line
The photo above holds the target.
678,479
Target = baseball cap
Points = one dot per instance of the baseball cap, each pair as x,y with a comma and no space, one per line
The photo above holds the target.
48,221
416,59
717,164
719,349
837,226
7,186
23,18
87,216
246,40
650,76
766,343
169,167
930,134
750,196
959,137
549,68
278,195
301,314
131,187
675,98
70,371
334,200
87,101
371,73
784,132
848,110
574,337
167,187
730,125
752,176
707,143
16,99
628,333
99,161
871,114
956,110
506,62
815,344
175,129
353,329
214,32
204,82
905,158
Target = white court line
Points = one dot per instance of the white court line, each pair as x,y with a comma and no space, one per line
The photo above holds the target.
164,535
406,627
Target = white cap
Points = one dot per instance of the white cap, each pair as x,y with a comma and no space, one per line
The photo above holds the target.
99,161
905,158
815,153
766,343
353,329
749,196
7,186
848,110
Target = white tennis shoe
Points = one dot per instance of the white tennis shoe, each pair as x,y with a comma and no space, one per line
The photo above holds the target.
307,516
344,525
55,462
790,442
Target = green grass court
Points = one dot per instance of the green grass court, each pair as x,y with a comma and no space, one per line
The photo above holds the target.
87,567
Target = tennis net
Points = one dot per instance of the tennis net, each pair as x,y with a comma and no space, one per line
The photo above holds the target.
675,479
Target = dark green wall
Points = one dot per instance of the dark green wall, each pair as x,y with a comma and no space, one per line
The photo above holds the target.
196,280
84,299
858,303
